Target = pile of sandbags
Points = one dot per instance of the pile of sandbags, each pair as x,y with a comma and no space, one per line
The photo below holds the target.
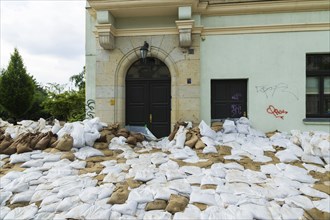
26,142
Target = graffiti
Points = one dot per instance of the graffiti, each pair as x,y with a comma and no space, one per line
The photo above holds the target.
270,91
90,106
236,110
276,112
237,96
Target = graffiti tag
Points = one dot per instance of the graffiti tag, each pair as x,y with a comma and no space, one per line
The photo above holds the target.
236,110
237,96
276,112
270,91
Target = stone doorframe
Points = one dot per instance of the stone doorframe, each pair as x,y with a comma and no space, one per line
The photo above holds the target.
120,74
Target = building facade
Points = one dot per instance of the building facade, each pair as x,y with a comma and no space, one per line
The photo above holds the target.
209,60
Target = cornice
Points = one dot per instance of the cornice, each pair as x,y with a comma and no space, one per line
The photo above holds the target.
267,29
205,8
215,31
267,7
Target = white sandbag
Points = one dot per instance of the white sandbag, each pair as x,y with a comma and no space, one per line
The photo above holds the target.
235,176
140,195
229,127
67,203
157,215
78,135
208,141
258,211
128,208
299,201
70,190
105,191
205,130
255,176
52,158
114,178
56,127
311,159
66,129
298,174
233,165
323,204
286,156
50,207
4,211
26,212
309,191
203,196
164,193
49,200
33,163
243,128
311,167
22,197
175,174
180,137
44,216
86,152
3,156
77,211
95,123
17,185
192,170
211,180
229,137
89,194
209,150
90,137
289,213
20,158
180,185
96,212
144,175
243,120
324,146
190,212
4,197
40,195
78,164
269,169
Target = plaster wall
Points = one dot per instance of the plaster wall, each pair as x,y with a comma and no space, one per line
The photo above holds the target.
274,64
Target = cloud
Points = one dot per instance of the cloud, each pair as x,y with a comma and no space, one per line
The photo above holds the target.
48,34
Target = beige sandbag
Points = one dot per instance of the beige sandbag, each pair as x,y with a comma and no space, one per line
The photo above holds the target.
193,140
133,183
68,155
6,142
119,196
24,146
131,140
158,204
110,137
139,137
44,142
53,140
10,150
36,138
65,143
100,145
177,203
200,144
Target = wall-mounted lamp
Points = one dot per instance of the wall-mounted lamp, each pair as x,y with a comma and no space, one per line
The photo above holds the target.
144,50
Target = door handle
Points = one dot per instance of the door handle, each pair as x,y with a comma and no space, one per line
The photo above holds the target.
150,118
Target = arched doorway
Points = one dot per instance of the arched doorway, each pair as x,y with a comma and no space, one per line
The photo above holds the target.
148,96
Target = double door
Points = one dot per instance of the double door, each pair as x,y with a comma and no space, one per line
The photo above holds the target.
148,103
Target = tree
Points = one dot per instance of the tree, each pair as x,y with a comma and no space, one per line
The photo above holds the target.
67,105
16,87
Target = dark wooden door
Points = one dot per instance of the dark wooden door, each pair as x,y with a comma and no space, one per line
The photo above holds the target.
148,102
228,98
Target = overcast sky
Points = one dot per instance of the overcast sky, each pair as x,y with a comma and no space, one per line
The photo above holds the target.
49,35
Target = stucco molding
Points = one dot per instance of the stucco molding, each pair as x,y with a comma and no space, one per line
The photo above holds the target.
209,8
267,29
106,36
185,29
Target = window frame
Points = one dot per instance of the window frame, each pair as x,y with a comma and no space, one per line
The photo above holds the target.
320,75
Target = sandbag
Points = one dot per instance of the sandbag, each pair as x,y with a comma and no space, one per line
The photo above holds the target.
200,144
65,143
158,204
24,146
192,141
43,143
119,196
205,130
131,140
177,203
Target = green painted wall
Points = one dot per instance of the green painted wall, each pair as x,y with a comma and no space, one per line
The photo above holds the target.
273,61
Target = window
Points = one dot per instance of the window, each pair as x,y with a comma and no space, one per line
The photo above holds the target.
318,85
